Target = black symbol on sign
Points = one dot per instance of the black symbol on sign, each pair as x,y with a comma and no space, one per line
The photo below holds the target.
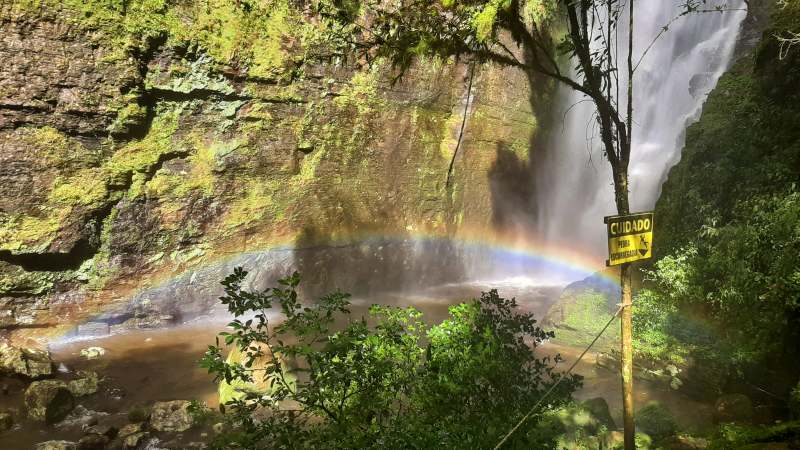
643,249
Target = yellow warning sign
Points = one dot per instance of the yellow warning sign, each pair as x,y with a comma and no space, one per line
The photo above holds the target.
630,238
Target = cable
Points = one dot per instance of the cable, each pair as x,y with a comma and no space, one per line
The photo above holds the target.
463,123
564,375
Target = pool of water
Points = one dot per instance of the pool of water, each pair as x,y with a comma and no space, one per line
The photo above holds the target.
144,366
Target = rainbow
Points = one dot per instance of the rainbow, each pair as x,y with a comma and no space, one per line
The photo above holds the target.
504,250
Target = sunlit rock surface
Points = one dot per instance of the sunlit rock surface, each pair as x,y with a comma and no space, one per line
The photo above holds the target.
138,146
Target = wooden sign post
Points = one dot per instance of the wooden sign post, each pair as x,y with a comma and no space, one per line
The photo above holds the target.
630,238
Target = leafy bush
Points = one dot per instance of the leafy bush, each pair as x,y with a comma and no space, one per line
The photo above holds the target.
382,381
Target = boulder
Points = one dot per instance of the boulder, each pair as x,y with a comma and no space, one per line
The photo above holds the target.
93,441
106,430
599,409
733,408
32,363
81,417
92,329
48,400
6,421
93,352
56,445
85,385
134,440
655,420
171,416
131,428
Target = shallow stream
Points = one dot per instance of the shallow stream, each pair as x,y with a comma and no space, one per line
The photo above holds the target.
144,366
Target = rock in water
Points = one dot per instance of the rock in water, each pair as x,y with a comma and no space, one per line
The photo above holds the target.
56,445
81,417
93,352
135,440
733,408
85,385
171,416
6,421
48,400
599,409
93,442
28,362
92,329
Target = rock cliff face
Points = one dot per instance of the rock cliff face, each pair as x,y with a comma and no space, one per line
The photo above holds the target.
144,140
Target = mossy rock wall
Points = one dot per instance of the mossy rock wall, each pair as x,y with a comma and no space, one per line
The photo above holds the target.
141,139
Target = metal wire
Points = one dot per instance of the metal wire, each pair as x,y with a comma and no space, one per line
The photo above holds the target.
564,375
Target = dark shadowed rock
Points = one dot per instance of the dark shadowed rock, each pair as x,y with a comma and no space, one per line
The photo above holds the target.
48,400
599,409
733,408
6,421
93,441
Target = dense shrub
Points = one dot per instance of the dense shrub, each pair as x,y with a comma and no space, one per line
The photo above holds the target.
382,381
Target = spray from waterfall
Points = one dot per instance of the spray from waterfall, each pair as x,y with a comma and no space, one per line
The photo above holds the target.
573,180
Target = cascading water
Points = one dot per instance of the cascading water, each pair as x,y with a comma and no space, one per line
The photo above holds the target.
573,181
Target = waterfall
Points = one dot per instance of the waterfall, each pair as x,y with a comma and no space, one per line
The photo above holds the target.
573,181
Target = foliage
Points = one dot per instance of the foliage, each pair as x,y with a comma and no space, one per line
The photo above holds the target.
200,412
385,380
729,217
736,436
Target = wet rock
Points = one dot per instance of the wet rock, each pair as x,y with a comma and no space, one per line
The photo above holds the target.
131,428
92,329
28,362
93,352
655,420
93,442
171,416
81,417
599,409
130,436
733,408
6,421
62,368
85,385
109,431
56,445
48,400
135,440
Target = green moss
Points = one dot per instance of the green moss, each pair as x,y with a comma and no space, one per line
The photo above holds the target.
55,148
203,163
140,156
15,280
258,201
88,187
26,233
128,116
